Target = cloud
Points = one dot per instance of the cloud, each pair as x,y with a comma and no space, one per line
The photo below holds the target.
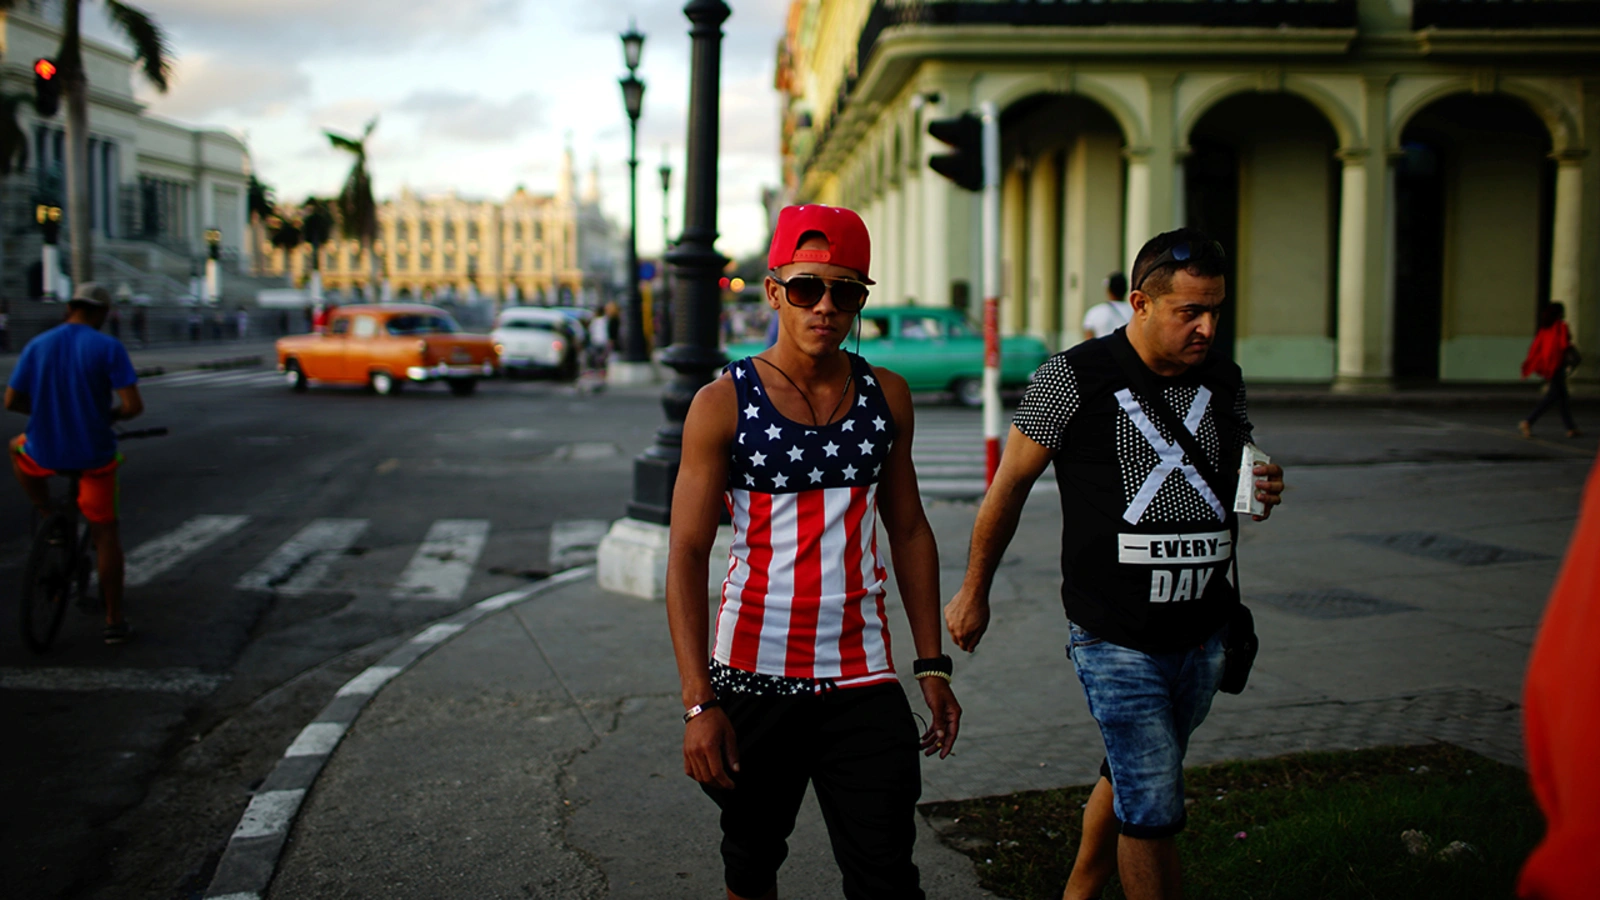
751,33
297,29
457,115
203,85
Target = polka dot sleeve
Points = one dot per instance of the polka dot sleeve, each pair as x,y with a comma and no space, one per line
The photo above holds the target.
1241,411
1049,403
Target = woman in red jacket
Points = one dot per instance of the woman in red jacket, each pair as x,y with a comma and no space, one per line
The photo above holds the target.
1548,358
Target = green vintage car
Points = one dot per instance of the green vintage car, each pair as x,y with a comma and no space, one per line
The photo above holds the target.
935,349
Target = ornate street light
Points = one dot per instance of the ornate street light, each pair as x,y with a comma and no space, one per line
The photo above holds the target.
664,298
634,350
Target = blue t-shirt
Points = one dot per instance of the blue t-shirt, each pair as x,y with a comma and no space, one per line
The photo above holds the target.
69,374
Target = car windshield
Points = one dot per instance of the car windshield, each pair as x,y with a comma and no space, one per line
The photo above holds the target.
960,329
529,324
406,326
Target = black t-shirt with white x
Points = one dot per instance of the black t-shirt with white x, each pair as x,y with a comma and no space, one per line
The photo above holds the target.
1146,543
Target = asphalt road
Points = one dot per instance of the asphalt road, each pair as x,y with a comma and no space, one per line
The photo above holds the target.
289,540
124,765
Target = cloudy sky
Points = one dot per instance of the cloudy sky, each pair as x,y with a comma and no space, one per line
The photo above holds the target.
474,95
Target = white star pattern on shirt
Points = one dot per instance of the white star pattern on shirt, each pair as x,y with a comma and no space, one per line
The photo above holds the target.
780,480
871,382
794,454
749,479
810,433
741,437
830,448
738,372
756,388
876,469
849,425
773,431
849,471
758,459
866,447
816,475
861,401
878,423
750,412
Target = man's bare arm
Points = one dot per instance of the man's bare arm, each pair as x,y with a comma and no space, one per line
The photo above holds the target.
1024,461
132,404
710,747
16,401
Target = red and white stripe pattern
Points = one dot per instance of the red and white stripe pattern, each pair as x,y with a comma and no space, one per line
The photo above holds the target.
803,597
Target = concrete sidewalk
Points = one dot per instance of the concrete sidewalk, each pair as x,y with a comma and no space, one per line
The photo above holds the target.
537,753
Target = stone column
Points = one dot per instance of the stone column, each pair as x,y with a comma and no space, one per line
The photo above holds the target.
1013,250
1044,248
1566,239
1136,215
1365,286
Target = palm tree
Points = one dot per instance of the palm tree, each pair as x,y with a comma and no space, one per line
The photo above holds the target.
150,50
285,234
358,212
316,226
259,202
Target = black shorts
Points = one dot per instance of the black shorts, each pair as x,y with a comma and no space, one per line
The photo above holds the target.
858,748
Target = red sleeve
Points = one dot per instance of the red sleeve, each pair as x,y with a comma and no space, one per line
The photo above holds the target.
1561,697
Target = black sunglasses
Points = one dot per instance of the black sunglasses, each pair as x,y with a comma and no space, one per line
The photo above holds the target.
1182,252
805,291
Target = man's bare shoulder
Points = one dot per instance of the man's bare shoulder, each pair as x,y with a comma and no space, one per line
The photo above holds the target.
716,403
893,383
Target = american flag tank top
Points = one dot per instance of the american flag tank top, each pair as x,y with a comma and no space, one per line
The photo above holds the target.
804,593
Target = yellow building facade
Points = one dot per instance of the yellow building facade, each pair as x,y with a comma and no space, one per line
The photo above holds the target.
1400,185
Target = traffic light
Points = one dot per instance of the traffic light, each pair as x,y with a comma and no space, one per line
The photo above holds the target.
49,219
46,87
965,165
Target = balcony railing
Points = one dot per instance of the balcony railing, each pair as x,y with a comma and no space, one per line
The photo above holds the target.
1505,14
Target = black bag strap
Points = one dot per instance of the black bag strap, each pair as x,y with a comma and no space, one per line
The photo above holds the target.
1157,404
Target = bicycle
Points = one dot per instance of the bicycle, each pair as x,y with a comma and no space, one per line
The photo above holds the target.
61,564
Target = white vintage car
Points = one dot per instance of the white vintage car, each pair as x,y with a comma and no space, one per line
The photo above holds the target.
535,340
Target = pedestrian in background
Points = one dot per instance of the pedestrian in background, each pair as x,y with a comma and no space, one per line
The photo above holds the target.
601,331
1549,357
241,322
1147,551
1106,317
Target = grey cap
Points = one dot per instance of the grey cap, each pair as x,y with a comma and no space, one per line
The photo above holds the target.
91,292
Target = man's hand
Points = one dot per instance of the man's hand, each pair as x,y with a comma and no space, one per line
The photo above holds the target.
710,749
944,713
1269,487
967,618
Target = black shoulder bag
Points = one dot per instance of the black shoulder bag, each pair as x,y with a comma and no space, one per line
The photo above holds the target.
1239,644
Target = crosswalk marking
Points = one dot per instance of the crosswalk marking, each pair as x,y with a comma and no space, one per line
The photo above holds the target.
156,556
951,461
443,564
219,378
299,564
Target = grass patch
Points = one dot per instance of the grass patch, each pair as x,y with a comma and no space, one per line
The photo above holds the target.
1316,825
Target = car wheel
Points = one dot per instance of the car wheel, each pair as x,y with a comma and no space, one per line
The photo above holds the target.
463,387
969,392
383,384
293,374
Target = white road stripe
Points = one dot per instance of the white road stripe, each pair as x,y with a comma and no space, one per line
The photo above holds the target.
970,487
300,563
316,739
433,634
269,813
179,377
156,556
155,681
443,564
225,379
368,682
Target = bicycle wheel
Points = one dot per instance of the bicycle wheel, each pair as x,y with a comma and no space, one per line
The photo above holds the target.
86,590
47,582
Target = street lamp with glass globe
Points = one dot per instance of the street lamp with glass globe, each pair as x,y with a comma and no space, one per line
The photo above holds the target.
634,350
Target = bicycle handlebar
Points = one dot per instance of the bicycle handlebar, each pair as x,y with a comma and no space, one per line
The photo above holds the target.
160,431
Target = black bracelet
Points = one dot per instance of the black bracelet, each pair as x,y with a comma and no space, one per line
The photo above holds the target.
933,665
699,708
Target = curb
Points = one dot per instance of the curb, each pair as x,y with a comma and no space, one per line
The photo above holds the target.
251,858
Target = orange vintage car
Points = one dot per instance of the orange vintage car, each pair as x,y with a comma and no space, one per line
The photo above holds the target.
385,346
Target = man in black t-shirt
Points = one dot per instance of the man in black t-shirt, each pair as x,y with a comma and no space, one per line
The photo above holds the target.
1148,577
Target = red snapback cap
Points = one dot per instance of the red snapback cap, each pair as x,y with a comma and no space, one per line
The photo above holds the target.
849,245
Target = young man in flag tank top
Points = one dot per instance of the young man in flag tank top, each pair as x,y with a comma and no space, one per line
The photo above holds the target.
805,445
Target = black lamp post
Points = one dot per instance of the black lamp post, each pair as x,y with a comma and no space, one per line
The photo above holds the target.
695,353
664,299
634,350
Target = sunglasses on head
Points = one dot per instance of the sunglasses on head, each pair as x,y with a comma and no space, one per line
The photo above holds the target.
1182,252
806,291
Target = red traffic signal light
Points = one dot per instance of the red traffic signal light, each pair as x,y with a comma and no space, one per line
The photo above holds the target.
724,282
965,165
46,87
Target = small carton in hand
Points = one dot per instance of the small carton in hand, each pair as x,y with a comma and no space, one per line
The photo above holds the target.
1244,499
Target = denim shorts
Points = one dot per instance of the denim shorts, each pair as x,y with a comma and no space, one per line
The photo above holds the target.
1147,705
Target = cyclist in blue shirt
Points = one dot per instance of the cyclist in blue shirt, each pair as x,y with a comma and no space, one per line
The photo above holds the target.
64,381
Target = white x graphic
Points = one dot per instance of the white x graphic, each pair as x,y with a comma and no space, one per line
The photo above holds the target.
1171,455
